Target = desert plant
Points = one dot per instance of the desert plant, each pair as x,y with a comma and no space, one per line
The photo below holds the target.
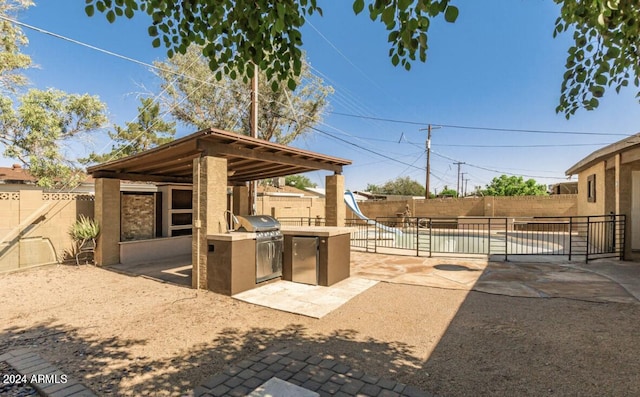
84,228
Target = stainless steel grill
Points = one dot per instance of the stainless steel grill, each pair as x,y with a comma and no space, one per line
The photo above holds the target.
269,244
258,223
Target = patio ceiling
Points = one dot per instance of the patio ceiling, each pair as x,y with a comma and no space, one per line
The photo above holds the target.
247,159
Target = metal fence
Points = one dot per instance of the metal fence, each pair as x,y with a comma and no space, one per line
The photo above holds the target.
576,237
301,221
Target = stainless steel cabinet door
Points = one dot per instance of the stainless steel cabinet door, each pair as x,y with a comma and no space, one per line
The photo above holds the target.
304,263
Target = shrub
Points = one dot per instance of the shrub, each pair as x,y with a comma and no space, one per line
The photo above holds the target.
84,228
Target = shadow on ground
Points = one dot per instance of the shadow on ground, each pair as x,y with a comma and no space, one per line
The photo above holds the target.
85,358
505,346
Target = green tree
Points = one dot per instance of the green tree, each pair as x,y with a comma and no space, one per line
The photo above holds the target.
514,186
400,186
149,131
36,131
37,126
282,115
374,189
299,181
448,192
238,34
12,61
606,50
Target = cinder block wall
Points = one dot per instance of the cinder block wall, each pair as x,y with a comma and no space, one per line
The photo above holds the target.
519,206
555,205
34,226
285,207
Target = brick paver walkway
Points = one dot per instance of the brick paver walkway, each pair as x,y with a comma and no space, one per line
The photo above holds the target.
48,380
326,377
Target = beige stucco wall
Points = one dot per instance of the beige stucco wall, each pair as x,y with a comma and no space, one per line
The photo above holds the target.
34,226
586,208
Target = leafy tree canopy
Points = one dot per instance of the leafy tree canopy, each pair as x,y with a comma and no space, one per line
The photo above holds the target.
448,192
514,186
36,125
235,35
194,98
299,181
12,61
149,131
606,50
400,186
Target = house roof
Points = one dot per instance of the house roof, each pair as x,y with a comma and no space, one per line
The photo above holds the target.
16,174
604,153
248,159
284,191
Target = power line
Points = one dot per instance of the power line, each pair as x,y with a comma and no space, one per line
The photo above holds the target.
493,170
363,148
480,128
207,82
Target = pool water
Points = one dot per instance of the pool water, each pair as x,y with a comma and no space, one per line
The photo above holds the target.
473,244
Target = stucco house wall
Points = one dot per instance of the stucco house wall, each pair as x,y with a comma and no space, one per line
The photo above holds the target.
597,205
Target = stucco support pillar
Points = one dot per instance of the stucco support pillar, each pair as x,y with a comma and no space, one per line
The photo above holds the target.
209,206
107,214
241,200
335,208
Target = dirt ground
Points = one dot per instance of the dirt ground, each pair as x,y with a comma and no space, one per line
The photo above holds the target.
124,335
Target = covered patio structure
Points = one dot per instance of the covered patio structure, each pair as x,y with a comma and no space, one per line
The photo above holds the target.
211,160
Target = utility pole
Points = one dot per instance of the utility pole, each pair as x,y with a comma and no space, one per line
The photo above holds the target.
466,182
253,185
428,147
459,163
461,194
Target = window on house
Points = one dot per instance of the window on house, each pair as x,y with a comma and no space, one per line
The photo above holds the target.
591,188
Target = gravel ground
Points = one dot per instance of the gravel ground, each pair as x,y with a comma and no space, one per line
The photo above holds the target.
131,336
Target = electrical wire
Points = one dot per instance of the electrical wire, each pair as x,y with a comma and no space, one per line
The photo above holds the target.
532,131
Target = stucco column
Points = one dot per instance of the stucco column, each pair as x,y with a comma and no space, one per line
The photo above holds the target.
107,214
335,208
241,200
209,205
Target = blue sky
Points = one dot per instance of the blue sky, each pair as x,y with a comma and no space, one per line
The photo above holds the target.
496,67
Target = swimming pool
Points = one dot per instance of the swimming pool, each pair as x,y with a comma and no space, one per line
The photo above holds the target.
499,243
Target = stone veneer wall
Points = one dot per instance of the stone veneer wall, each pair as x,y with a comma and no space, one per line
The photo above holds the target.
138,217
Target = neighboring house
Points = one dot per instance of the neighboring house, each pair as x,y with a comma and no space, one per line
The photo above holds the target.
369,195
564,188
16,175
609,182
284,191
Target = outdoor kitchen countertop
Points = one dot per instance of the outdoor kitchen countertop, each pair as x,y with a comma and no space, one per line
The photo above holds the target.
232,236
320,231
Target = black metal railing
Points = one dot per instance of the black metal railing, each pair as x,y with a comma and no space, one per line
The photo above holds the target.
301,221
588,237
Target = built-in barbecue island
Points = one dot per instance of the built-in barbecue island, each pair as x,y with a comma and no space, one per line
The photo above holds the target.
262,251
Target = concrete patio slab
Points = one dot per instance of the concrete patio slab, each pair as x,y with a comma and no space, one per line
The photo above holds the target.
174,270
599,281
308,300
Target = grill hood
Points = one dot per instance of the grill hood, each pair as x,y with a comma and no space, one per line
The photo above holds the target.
258,223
